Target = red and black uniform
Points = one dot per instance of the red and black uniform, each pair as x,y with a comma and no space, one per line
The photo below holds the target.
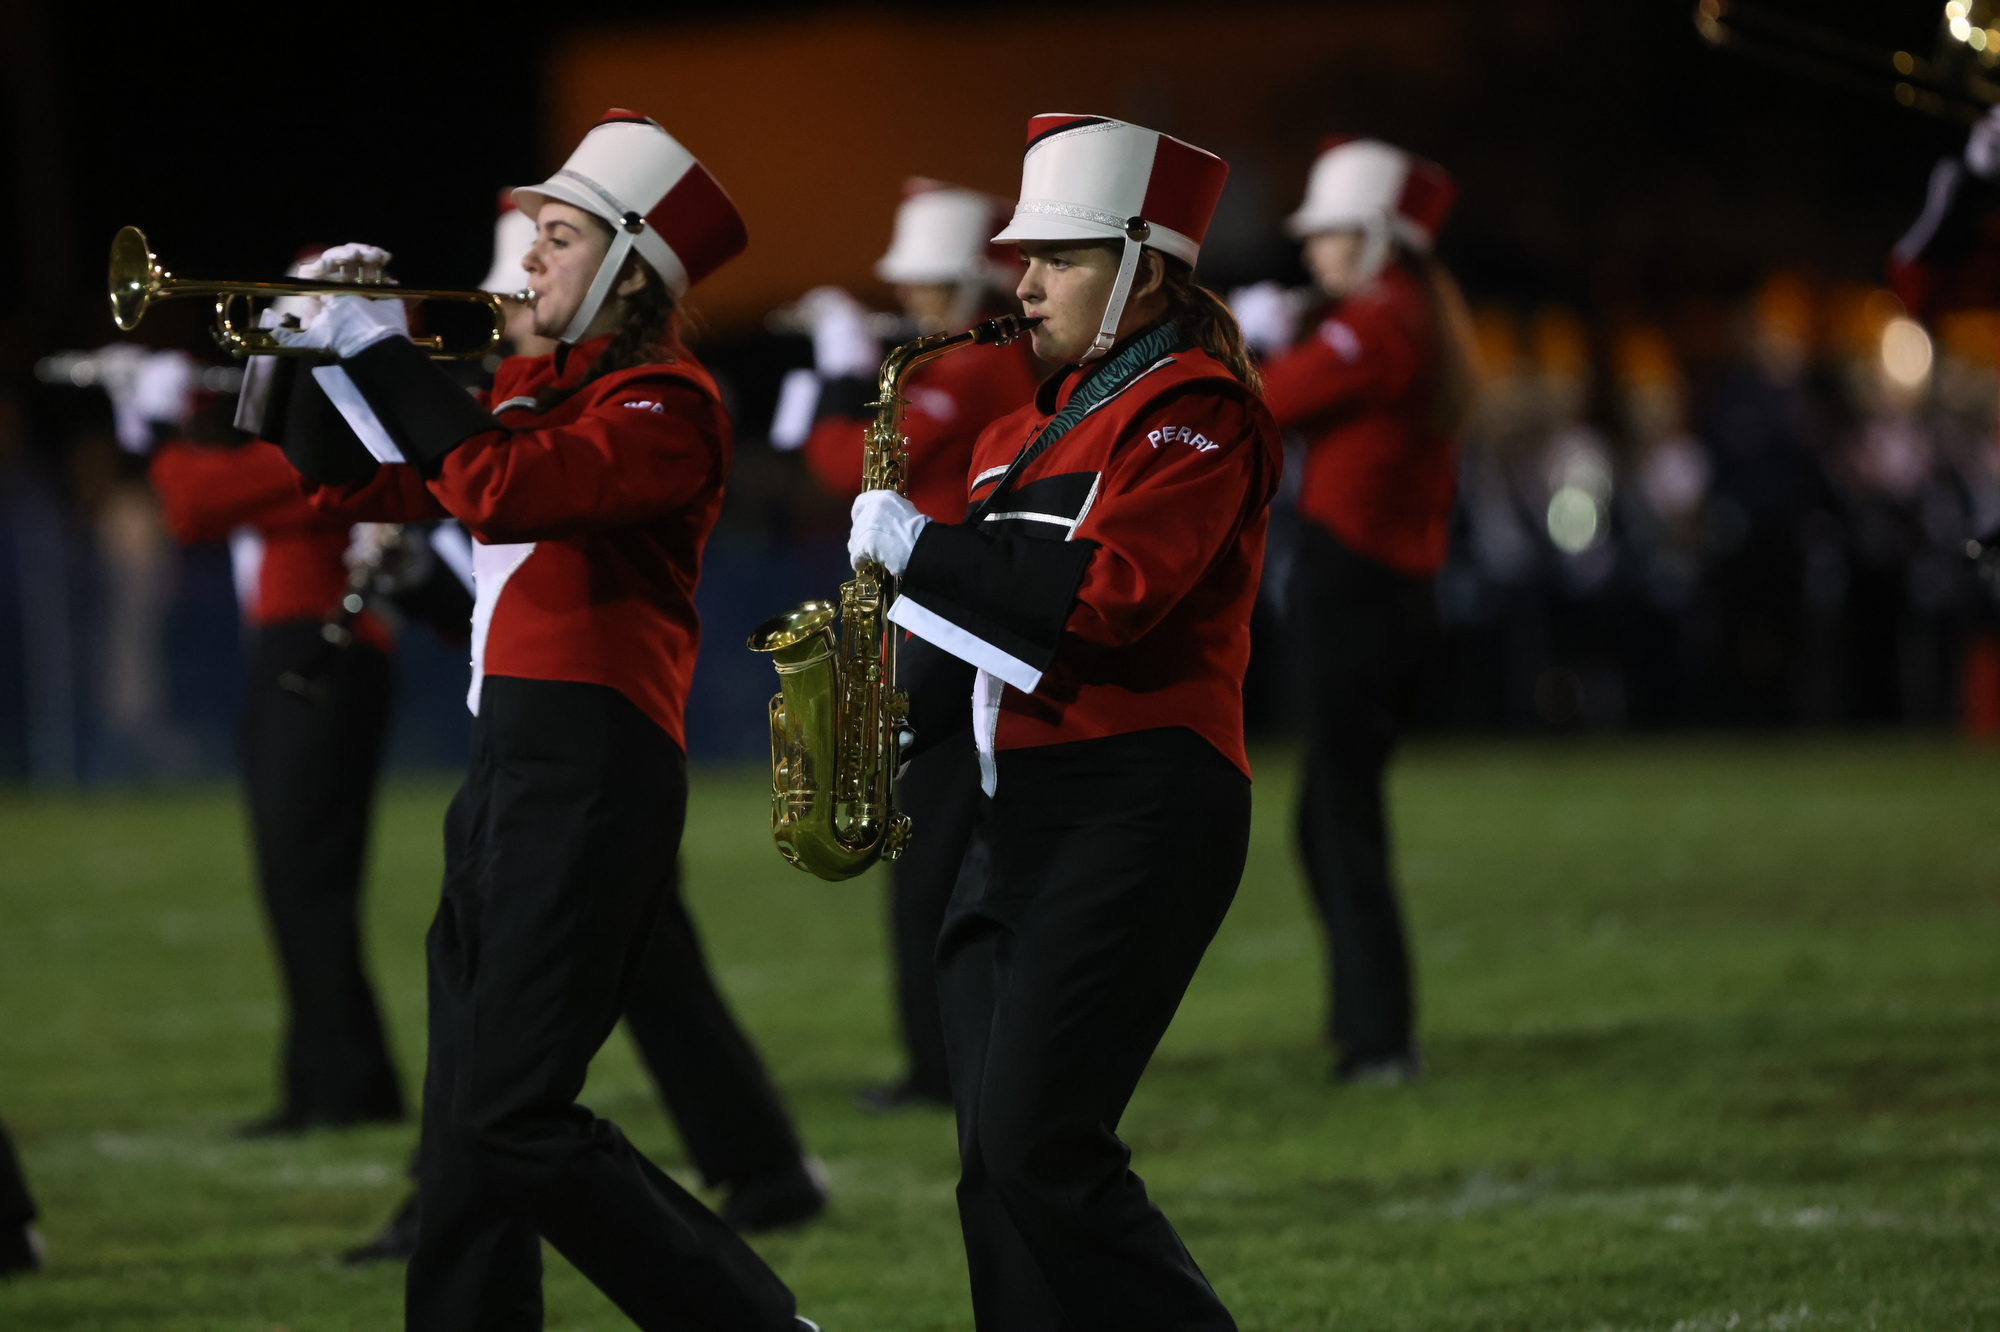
589,520
1101,586
310,766
952,400
1376,498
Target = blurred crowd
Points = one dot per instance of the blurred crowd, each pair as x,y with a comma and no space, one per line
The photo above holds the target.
1746,516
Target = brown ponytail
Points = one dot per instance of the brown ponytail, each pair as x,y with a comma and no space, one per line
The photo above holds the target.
1205,321
650,334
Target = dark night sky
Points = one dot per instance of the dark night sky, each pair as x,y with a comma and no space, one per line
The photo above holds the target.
1607,155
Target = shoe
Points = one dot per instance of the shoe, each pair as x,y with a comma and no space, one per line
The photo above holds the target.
21,1250
789,1198
805,1324
888,1097
396,1243
1396,1070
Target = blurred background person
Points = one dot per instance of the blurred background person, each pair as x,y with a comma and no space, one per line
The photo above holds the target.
21,1245
947,276
311,748
1380,384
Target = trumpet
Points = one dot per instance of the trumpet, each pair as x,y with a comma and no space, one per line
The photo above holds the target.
137,280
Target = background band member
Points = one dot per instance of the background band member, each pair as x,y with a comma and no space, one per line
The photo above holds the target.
310,766
1101,585
947,276
20,1242
1379,387
590,479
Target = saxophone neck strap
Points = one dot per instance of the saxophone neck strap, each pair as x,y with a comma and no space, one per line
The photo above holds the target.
1104,382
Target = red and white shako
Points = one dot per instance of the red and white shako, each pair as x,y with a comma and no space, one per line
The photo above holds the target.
513,237
657,198
1094,178
1390,196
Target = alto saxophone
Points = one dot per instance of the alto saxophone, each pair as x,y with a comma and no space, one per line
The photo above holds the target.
838,721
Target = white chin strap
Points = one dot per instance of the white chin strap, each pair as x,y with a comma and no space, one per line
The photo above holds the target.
1375,249
601,285
1136,231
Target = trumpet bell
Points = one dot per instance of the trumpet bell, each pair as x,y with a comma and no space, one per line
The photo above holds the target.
134,277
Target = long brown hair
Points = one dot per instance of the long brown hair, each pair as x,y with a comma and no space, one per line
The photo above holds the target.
649,334
1459,372
1205,320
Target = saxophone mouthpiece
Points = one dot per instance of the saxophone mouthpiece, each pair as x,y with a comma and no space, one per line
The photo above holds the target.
1004,329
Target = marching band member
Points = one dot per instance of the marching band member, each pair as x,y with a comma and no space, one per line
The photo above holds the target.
1380,387
310,768
1101,585
947,276
721,1099
590,479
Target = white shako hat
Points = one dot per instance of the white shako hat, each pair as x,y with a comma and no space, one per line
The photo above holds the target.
513,237
942,235
657,198
1092,178
1377,188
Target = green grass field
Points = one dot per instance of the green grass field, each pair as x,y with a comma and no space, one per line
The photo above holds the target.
1714,1032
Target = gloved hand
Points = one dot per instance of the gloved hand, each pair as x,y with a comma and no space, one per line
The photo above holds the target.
349,263
842,344
157,390
885,530
349,325
1268,314
1982,146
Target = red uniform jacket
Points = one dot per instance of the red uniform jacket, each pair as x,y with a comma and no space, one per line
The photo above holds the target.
951,400
588,523
208,494
1110,584
1950,257
1360,388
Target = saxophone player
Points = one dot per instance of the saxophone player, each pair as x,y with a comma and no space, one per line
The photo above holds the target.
1380,386
1098,595
947,276
589,478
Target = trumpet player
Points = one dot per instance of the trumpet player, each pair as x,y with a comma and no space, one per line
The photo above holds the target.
947,276
589,478
1379,384
1097,595
714,1085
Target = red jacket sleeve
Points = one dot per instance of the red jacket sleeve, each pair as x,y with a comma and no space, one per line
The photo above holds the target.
833,452
207,492
395,494
1173,498
1360,357
648,448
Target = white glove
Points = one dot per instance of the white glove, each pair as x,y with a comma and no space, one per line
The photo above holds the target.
348,263
842,344
885,530
1268,314
159,390
1982,146
349,325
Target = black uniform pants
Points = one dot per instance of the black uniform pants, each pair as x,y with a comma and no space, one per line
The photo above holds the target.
940,792
559,850
730,1116
17,1206
310,770
1366,633
1101,872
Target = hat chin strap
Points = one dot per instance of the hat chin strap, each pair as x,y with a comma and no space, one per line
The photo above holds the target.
1137,229
600,287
